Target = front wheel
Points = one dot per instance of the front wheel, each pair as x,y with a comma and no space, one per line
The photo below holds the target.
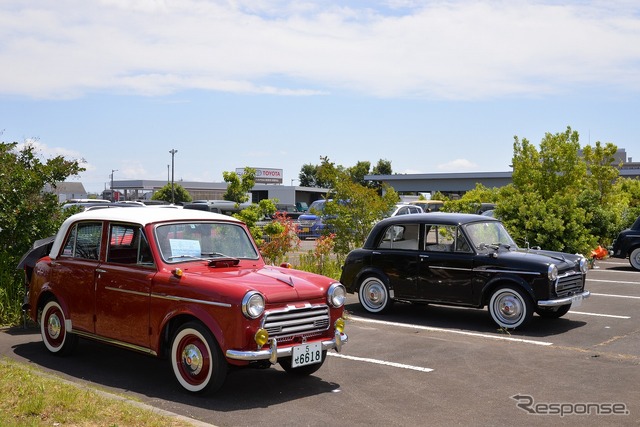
53,328
553,313
198,363
301,371
374,295
510,307
634,258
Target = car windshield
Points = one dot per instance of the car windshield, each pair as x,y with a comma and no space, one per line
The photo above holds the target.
179,242
490,234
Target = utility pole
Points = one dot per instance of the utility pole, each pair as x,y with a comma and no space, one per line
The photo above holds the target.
173,196
113,197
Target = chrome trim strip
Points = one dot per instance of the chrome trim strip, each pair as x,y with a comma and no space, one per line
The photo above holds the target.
197,301
273,353
562,301
489,270
115,342
169,297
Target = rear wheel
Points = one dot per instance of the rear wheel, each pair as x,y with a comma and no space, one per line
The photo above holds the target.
53,328
510,307
198,363
374,295
634,258
553,313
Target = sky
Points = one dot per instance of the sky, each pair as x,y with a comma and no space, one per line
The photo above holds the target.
431,86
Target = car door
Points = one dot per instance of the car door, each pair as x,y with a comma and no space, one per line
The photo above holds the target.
446,265
396,255
123,286
73,273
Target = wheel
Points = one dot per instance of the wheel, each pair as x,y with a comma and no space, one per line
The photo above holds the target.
510,307
302,371
553,313
634,258
53,328
197,361
374,295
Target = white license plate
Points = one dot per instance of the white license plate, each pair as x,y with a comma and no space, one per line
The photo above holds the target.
576,301
306,354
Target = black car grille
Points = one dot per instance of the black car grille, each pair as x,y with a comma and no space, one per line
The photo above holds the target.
297,321
569,284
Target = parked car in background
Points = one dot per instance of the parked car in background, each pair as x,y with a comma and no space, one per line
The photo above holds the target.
289,210
184,284
429,205
404,209
311,223
627,245
465,260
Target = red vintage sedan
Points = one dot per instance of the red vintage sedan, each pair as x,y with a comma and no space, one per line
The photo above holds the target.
186,284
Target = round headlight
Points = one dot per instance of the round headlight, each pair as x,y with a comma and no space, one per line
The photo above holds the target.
253,305
552,272
584,265
337,295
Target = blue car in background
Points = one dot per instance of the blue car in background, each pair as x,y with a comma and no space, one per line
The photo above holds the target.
311,222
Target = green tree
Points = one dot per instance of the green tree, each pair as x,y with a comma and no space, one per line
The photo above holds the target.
178,195
26,214
353,208
546,205
255,213
308,177
471,200
238,187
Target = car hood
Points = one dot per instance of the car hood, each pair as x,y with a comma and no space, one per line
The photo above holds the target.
276,284
537,257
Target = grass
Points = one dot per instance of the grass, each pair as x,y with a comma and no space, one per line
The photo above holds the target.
29,397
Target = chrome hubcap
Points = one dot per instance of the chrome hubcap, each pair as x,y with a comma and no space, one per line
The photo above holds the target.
192,359
53,326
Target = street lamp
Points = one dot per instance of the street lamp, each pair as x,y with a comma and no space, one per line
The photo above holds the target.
112,194
173,196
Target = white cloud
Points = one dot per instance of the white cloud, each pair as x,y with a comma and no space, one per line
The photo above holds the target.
400,48
458,165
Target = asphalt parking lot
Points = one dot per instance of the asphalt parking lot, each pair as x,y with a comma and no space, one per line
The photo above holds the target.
418,365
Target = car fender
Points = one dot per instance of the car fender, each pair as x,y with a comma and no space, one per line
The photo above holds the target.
185,313
501,280
371,271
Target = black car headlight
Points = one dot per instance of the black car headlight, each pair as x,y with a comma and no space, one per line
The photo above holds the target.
337,295
253,304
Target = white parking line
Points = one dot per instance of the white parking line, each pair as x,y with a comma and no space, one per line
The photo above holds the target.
612,281
613,316
604,270
614,296
380,362
451,331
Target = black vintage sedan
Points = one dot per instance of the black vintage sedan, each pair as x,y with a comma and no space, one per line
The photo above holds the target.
465,260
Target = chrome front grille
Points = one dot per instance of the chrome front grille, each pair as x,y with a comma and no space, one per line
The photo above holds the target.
569,284
297,321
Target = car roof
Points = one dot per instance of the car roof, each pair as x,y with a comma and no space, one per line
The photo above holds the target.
445,218
136,215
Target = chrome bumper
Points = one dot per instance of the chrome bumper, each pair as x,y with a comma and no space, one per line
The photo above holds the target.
274,352
563,301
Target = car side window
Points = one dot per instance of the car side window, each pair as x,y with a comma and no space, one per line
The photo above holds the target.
440,238
128,245
404,236
84,241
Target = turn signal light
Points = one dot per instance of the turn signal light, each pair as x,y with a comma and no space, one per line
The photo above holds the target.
340,325
261,337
